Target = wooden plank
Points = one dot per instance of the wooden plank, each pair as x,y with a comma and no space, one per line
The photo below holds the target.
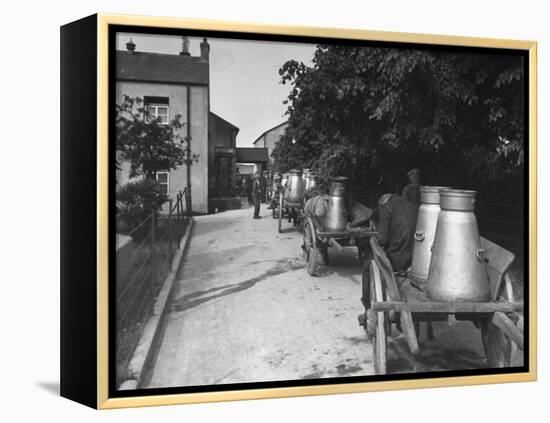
499,261
391,284
443,307
335,244
351,233
503,322
407,325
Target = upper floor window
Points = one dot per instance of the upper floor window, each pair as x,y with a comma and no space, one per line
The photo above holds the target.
157,107
163,178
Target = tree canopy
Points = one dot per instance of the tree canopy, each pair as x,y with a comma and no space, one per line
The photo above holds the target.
371,113
145,143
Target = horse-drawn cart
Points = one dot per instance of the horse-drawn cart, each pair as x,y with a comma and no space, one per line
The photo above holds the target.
316,242
290,202
290,211
390,299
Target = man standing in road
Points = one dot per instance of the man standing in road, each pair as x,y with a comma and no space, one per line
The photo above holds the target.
411,192
396,226
256,195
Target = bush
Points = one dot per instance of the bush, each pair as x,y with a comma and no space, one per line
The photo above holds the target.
135,202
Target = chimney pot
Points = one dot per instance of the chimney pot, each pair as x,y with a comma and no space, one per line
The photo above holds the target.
205,50
130,46
185,47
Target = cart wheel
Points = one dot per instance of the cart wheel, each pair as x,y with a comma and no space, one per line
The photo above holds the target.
379,341
365,286
497,346
499,349
364,255
280,213
313,253
306,236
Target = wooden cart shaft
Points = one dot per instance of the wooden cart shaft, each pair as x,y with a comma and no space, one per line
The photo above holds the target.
448,307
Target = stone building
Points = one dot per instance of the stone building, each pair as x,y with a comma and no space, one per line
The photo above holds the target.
173,85
269,138
222,166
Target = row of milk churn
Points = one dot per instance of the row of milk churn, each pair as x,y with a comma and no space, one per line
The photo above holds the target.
447,254
297,183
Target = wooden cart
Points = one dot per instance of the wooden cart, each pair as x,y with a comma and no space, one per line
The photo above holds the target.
387,302
316,243
292,212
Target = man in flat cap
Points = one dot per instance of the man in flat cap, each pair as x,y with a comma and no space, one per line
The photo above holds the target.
257,195
411,192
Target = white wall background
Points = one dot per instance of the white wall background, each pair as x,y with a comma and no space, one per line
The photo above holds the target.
29,198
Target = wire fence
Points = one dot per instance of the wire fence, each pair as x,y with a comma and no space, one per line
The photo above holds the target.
142,269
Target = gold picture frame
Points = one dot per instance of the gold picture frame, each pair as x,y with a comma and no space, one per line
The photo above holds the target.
102,398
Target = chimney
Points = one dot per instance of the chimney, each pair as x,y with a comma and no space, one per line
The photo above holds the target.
205,50
185,47
130,46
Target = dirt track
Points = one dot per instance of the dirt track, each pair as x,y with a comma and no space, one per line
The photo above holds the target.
247,311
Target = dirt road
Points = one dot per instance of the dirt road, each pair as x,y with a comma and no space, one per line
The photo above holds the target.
246,310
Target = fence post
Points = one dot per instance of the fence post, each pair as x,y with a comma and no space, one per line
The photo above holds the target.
153,241
178,204
169,224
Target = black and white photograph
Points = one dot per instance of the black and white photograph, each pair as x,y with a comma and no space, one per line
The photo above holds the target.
293,211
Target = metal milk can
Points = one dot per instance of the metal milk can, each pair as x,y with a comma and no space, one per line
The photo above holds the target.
312,180
428,212
458,270
336,218
295,187
305,177
284,179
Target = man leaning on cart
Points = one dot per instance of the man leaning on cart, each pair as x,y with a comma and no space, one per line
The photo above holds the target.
396,224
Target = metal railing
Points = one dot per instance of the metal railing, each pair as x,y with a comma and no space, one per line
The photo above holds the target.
156,240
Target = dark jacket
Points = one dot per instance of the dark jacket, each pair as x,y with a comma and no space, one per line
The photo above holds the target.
256,188
396,227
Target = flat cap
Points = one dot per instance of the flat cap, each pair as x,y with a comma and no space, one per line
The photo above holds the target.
412,172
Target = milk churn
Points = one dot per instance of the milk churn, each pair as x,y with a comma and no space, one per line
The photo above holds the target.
458,269
305,177
336,218
426,223
284,179
312,180
295,187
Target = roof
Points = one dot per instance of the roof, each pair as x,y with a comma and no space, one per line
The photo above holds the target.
223,121
167,68
269,130
252,155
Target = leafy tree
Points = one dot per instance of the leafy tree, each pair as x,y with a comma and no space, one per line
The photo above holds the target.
371,113
145,143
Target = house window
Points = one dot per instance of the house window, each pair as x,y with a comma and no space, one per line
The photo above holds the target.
157,107
163,178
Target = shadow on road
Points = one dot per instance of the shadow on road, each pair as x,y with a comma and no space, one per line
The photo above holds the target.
432,357
195,299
